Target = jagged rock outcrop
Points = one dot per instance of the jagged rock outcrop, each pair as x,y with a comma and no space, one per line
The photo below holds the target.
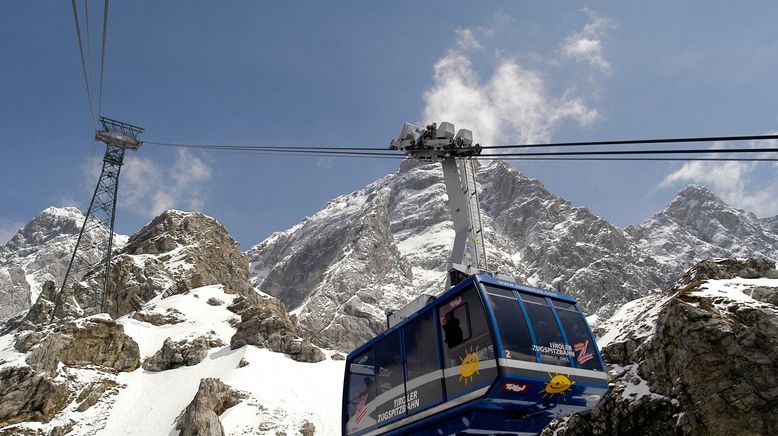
195,248
28,395
171,316
267,324
307,429
181,353
770,223
699,360
174,246
41,251
92,392
201,416
698,225
93,341
728,269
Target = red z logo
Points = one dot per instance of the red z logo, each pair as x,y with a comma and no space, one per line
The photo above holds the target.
580,349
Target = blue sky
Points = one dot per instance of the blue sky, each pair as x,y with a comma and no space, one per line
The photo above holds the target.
350,73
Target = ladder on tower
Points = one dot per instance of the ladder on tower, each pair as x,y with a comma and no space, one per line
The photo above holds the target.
467,171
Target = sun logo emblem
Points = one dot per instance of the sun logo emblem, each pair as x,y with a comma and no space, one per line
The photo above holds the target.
557,384
468,366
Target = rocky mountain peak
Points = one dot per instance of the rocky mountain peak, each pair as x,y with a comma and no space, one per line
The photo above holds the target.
695,202
698,225
382,246
696,192
175,246
41,251
174,228
52,222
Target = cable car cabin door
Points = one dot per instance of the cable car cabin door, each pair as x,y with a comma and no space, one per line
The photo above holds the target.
467,349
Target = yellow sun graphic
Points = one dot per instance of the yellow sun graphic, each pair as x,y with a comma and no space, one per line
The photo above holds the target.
469,366
558,384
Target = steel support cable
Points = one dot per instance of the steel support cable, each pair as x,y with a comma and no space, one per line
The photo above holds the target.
260,147
318,150
636,152
302,153
83,62
311,153
374,152
102,58
88,40
650,159
557,144
91,70
641,141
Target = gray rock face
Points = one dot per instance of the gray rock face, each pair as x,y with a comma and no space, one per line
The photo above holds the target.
175,246
728,269
201,416
710,365
770,223
181,353
195,248
27,395
697,225
382,246
39,252
92,393
567,248
266,324
171,316
94,341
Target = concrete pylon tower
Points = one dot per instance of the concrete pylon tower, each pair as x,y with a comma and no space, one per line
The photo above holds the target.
118,137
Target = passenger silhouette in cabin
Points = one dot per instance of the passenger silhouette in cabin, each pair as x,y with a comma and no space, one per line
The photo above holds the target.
452,332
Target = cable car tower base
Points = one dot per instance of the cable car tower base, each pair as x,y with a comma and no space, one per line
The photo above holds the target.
118,137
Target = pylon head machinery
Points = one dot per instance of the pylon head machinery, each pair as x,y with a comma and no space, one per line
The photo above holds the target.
435,142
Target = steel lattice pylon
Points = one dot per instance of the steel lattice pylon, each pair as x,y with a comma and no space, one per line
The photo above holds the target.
118,137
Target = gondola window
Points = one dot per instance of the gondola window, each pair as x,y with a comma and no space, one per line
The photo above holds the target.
550,343
516,339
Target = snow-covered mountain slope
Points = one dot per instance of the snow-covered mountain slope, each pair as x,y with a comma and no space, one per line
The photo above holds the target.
41,251
382,246
697,360
565,247
771,223
698,225
273,392
374,249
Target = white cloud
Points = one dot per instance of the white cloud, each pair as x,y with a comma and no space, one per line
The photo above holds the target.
325,163
513,104
148,189
8,229
586,46
466,39
740,184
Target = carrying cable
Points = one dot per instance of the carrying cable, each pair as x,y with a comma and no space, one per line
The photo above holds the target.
83,63
641,141
102,58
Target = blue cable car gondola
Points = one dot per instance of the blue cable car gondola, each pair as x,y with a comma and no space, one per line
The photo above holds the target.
488,356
